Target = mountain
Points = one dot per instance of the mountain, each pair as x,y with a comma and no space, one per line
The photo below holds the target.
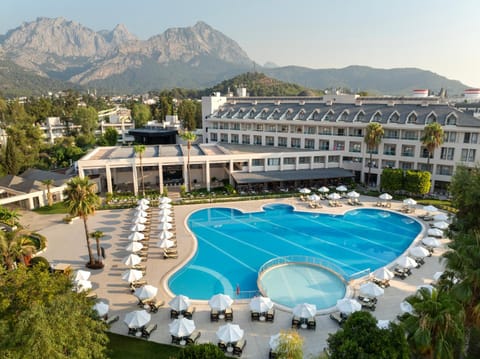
199,56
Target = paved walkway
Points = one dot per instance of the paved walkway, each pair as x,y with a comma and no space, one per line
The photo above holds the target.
66,243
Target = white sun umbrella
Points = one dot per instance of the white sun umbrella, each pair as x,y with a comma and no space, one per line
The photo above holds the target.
323,189
383,274
146,292
220,301
383,324
101,308
165,212
441,225
136,236
140,213
334,196
165,206
165,200
139,219
409,202
419,251
134,247
314,197
370,289
181,327
261,304
428,287
348,305
440,217
165,243
82,275
385,197
406,307
132,260
430,208
274,341
305,310
165,226
165,218
230,333
131,275
435,232
137,318
406,262
137,227
431,242
437,276
83,285
304,190
353,194
143,201
142,207
342,188
165,235
179,303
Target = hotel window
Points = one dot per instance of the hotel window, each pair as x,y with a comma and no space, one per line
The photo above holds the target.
258,162
257,140
409,135
323,145
391,134
235,126
470,137
271,128
333,159
357,132
344,116
309,130
431,119
234,139
215,125
283,128
246,139
273,162
388,164
377,117
224,126
246,126
450,137
451,120
447,153
340,132
213,137
408,151
289,161
269,140
223,137
444,170
360,116
355,147
304,160
282,142
338,145
468,155
309,143
259,127
319,159
394,118
295,143
389,149
295,129
316,115
324,131
406,165
412,118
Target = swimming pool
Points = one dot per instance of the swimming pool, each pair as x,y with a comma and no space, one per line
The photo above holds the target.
233,245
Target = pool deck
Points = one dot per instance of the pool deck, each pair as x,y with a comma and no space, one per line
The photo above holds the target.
66,244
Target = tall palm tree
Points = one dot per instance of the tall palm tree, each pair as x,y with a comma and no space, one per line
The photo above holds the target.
48,183
435,328
432,138
97,235
190,137
15,245
81,200
373,137
139,150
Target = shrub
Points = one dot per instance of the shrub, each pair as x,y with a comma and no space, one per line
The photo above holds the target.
40,261
204,351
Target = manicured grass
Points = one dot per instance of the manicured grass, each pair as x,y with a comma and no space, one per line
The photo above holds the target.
124,347
56,208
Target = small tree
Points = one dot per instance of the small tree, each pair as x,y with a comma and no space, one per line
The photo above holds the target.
432,138
373,137
290,345
139,150
111,136
48,183
203,351
97,235
189,137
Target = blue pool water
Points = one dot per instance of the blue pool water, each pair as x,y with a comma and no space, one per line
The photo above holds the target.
233,245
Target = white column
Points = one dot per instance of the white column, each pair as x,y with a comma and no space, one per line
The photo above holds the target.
185,176
109,179
135,181
230,170
207,175
160,177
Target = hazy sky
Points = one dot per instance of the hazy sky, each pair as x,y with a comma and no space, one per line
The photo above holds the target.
437,35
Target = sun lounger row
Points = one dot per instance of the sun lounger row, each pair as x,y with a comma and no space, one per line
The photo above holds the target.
143,332
188,313
304,323
237,348
384,283
188,340
384,204
268,316
338,317
354,202
402,273
334,204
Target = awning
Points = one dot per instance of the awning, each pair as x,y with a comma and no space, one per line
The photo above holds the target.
293,175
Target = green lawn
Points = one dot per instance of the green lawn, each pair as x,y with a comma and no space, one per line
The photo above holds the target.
56,208
124,347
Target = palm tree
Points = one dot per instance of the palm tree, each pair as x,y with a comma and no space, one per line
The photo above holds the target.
373,137
48,183
140,149
435,328
9,216
432,138
190,137
81,200
15,245
97,235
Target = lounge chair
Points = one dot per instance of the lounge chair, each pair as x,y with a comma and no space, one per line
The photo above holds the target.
189,312
270,317
239,346
368,305
133,331
338,317
367,299
166,256
192,339
214,315
420,261
401,273
223,346
112,320
154,306
229,315
311,323
148,330
174,314
295,322
92,295
254,315
384,283
176,340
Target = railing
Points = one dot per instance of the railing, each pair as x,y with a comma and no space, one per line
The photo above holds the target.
305,259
